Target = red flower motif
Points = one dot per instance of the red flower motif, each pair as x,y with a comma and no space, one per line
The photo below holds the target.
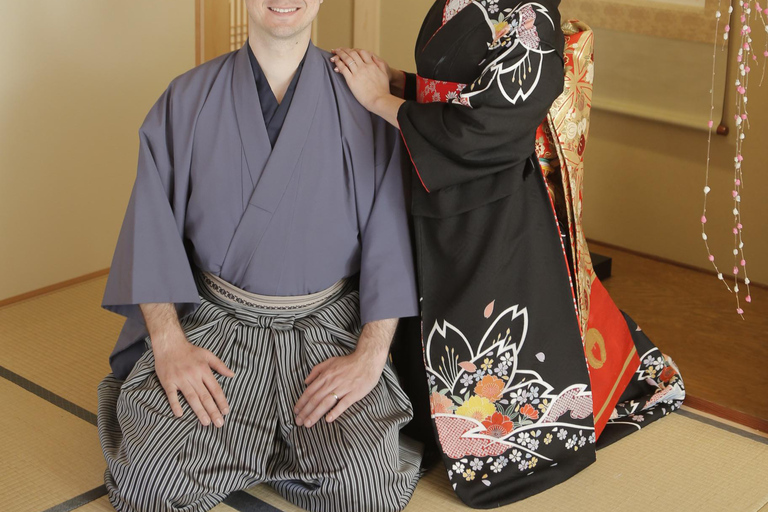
529,411
667,374
498,425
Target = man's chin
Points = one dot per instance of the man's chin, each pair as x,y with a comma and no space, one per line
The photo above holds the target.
286,32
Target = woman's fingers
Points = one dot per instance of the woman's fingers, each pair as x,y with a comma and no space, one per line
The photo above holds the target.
346,58
365,55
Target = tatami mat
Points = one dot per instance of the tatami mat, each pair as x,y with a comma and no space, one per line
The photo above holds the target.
53,353
48,455
61,340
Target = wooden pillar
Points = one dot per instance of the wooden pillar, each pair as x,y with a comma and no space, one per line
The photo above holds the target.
366,32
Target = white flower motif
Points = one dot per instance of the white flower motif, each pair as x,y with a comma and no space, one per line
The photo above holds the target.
571,130
590,77
458,467
476,464
499,464
562,434
515,456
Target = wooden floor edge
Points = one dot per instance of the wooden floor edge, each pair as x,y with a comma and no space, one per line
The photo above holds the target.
666,260
54,287
725,413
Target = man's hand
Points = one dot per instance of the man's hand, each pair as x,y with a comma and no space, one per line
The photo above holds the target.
183,366
350,377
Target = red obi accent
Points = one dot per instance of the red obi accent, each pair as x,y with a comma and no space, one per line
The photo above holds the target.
433,91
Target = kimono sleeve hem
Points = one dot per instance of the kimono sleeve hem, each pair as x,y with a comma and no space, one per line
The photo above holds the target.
386,314
402,121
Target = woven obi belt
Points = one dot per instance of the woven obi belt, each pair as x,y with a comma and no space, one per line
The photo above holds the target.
434,91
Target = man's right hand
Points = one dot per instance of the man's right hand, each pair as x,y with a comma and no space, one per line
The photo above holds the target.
183,366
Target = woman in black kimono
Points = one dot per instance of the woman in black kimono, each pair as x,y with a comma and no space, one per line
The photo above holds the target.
522,385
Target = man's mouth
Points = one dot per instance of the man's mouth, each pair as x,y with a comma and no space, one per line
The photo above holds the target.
283,11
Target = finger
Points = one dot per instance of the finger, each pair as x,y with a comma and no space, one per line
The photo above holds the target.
173,400
341,406
355,56
194,402
206,399
218,365
383,66
218,394
309,396
317,370
315,396
366,56
346,58
325,405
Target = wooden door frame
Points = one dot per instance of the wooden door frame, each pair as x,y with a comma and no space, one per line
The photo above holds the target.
366,30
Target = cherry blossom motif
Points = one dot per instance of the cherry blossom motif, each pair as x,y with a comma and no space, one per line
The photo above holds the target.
489,309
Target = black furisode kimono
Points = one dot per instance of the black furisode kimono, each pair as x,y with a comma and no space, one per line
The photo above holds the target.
510,389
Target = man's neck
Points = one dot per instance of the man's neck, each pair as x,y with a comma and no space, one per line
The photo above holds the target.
278,59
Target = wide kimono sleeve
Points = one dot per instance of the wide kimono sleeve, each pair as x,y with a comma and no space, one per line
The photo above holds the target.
491,125
150,263
387,270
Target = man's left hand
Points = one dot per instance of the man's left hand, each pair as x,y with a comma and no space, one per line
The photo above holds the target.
350,378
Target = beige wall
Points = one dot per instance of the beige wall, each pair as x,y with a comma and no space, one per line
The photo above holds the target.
334,24
78,77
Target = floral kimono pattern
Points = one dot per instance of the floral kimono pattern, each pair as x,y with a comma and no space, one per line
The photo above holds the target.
530,364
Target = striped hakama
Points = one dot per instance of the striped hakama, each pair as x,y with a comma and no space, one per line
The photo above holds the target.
359,462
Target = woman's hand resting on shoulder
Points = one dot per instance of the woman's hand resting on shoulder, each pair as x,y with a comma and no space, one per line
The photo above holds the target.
369,79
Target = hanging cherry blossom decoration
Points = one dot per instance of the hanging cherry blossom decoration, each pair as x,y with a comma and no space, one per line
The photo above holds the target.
748,17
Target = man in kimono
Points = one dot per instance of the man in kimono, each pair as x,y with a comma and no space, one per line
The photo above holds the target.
266,239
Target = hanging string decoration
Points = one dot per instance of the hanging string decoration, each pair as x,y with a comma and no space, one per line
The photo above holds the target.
748,17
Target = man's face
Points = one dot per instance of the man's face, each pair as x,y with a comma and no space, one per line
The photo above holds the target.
282,19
